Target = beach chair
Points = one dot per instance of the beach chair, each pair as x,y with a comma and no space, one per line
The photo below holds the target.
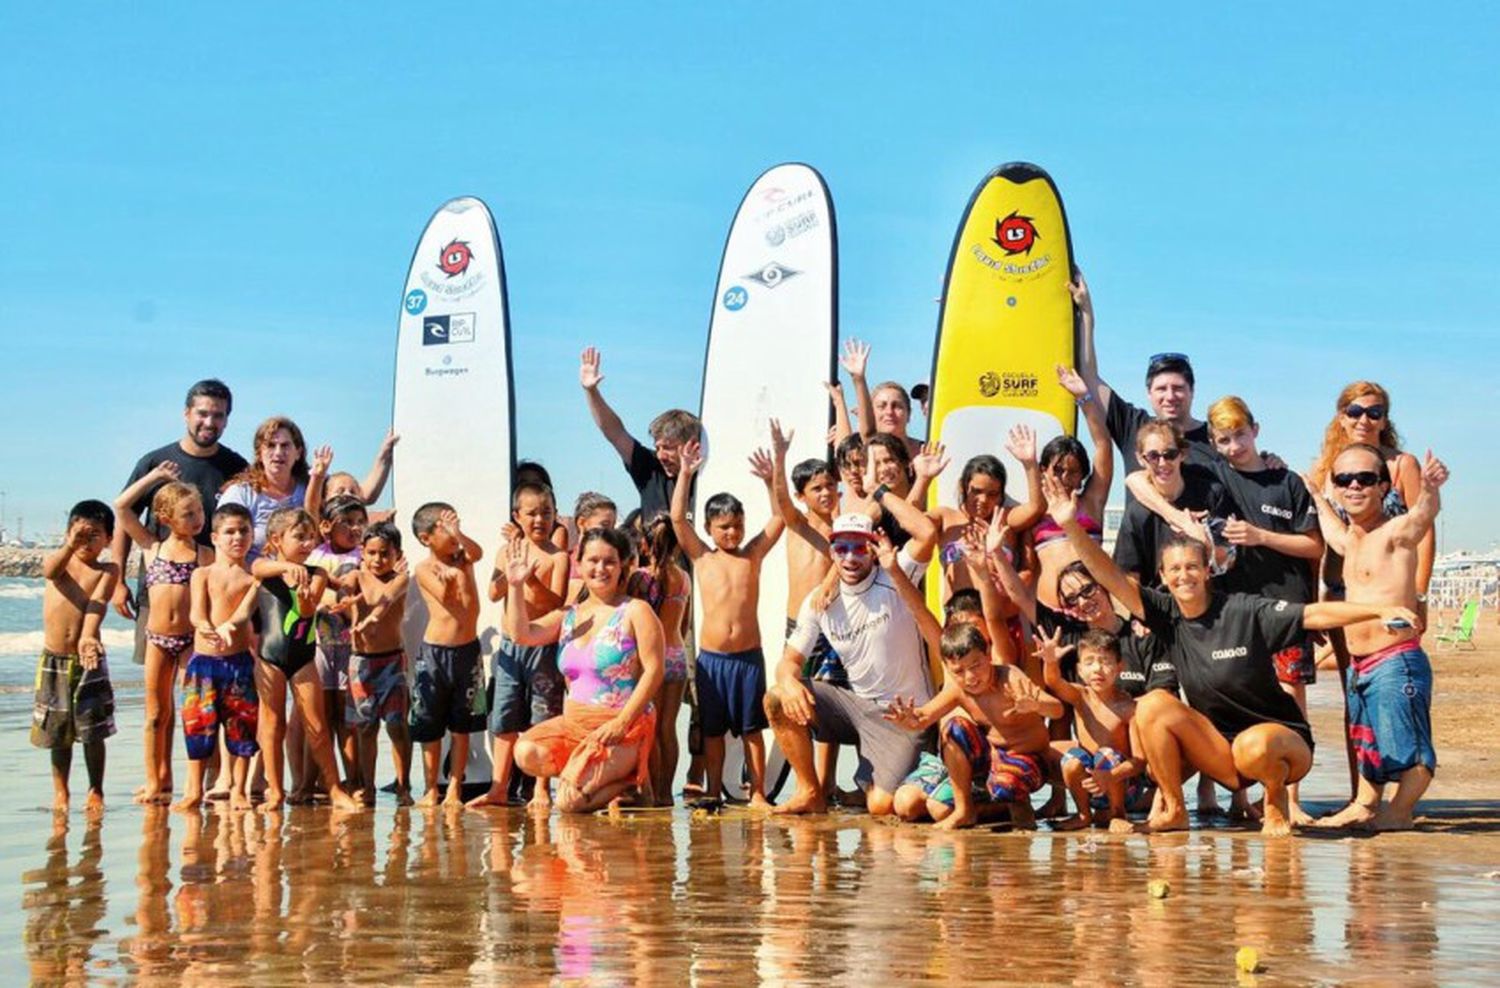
1462,632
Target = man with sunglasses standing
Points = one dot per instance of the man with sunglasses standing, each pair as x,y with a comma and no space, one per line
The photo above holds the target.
1389,687
877,622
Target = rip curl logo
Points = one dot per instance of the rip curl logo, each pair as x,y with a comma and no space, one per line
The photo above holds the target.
454,259
1016,234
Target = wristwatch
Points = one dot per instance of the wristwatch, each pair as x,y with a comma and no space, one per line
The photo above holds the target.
880,492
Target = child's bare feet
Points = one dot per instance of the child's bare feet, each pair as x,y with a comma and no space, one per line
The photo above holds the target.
1241,809
455,795
403,796
94,805
1387,820
239,801
803,801
60,802
1074,822
1274,822
541,800
366,797
1121,825
958,820
1167,817
1356,814
429,798
490,797
190,801
341,800
274,800
1300,817
1022,817
760,802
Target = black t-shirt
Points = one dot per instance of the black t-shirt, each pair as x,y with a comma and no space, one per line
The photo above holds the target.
1278,501
1143,532
1142,665
1223,657
651,482
1125,419
207,473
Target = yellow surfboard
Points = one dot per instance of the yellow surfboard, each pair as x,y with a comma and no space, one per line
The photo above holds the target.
1006,323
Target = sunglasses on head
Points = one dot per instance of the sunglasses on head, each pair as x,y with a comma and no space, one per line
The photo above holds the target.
1357,412
843,548
1079,596
1365,478
1163,456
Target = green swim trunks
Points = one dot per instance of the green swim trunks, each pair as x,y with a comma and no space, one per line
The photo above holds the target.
74,705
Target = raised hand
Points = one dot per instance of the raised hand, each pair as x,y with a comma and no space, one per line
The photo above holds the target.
932,461
780,441
509,532
1062,504
1051,648
902,711
762,466
692,457
1079,289
166,470
998,534
448,518
589,374
1021,443
388,446
519,563
1434,473
322,459
855,358
885,551
1071,382
1238,532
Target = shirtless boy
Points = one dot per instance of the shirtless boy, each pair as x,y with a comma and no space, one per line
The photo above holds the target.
1099,770
1390,678
448,689
377,667
525,683
1003,701
218,687
731,673
75,702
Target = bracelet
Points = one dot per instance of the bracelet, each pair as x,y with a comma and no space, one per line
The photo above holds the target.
1080,402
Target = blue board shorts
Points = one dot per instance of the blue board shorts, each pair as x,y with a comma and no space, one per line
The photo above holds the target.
448,693
1105,759
525,687
731,692
1390,713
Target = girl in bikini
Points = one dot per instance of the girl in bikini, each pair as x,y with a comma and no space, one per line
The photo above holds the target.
1068,462
611,653
663,584
169,627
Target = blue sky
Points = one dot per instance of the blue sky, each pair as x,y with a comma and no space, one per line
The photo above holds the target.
1296,195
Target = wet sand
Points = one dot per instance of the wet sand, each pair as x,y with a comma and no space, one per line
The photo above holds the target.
306,897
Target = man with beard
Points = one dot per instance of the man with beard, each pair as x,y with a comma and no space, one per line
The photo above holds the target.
202,463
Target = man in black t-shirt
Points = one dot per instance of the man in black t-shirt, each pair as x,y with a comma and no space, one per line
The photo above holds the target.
202,463
1238,726
652,471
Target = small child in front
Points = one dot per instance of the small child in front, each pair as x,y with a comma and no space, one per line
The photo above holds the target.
1004,701
218,686
731,672
1099,770
448,689
75,702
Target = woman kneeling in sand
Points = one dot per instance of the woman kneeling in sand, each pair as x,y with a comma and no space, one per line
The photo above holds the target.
1238,727
611,653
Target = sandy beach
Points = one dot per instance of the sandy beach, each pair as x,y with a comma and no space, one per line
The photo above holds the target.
307,897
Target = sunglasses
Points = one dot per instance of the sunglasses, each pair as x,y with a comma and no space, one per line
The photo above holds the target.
1080,595
1164,456
1365,478
855,549
1357,412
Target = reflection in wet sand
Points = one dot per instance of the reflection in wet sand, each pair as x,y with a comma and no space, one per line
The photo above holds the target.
305,897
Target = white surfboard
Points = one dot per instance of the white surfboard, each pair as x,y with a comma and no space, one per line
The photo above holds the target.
454,406
772,344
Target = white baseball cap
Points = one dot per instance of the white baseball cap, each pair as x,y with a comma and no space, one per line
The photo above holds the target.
856,525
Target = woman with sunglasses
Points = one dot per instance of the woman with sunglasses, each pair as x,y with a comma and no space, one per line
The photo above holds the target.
1362,414
1238,727
1186,487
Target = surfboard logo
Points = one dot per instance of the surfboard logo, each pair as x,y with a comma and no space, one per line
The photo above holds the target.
734,300
454,259
1016,234
416,302
772,274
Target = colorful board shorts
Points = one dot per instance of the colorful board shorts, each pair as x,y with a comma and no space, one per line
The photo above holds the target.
1390,712
676,663
219,691
332,660
1008,776
731,692
73,705
1297,665
526,687
448,693
823,665
377,689
1105,759
931,776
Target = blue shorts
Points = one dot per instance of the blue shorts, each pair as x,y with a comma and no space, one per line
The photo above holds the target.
1104,759
1390,715
731,692
525,687
447,692
931,776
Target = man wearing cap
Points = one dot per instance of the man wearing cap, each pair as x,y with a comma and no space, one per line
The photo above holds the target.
872,624
1169,386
